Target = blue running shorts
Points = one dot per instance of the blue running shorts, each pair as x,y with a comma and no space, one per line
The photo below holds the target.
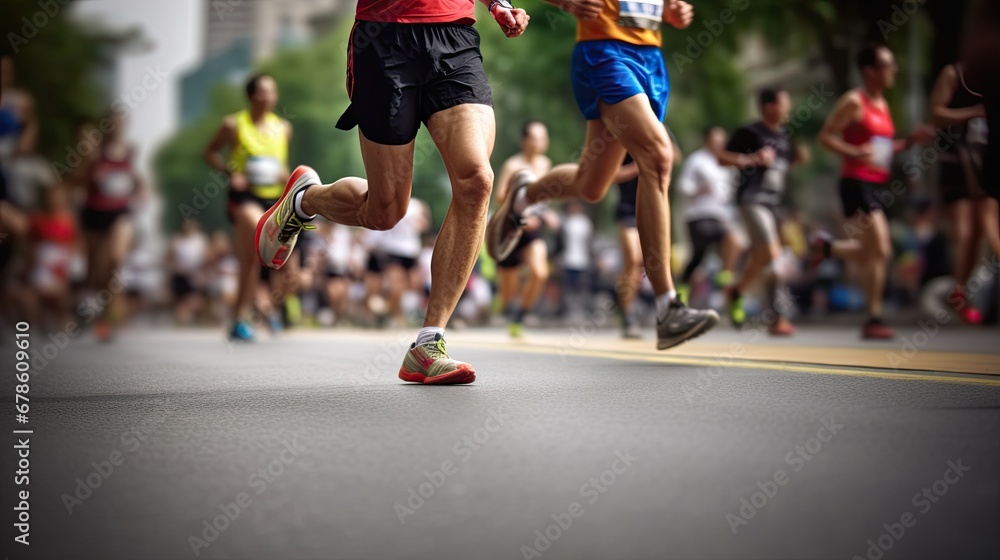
613,71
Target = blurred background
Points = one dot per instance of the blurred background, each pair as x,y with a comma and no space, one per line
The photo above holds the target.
171,71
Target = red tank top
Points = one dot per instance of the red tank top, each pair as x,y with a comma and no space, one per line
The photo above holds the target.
54,228
417,11
112,183
877,130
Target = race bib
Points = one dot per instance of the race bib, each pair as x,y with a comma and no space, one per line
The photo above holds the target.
262,171
774,177
644,14
117,184
978,132
882,151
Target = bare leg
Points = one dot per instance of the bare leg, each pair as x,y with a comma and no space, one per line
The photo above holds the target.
989,215
731,249
878,246
645,138
536,256
631,276
464,135
510,282
591,178
376,203
246,217
960,216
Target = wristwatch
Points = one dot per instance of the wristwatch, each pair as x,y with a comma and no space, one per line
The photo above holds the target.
505,4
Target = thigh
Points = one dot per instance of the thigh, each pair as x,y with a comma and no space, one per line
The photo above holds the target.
390,175
536,256
120,238
876,234
464,134
636,125
602,156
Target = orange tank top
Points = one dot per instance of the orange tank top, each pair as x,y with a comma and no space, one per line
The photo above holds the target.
631,21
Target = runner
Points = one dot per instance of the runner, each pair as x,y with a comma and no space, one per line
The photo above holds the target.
621,86
257,164
112,182
187,260
54,244
709,213
982,74
399,248
531,256
409,63
763,155
861,131
972,215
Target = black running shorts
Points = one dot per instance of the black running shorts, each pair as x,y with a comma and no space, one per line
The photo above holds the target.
859,196
399,74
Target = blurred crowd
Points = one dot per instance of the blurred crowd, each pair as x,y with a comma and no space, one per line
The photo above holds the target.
70,250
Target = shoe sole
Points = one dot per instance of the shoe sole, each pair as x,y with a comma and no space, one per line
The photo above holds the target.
501,217
277,263
459,376
699,329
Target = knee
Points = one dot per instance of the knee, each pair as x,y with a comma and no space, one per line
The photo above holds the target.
655,160
880,251
473,187
540,272
593,194
385,218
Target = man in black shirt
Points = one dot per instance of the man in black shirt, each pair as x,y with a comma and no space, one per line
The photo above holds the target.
762,154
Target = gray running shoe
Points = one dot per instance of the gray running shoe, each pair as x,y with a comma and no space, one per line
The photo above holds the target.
506,226
683,323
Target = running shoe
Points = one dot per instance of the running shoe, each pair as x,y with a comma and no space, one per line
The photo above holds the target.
875,329
631,332
241,332
683,323
429,363
684,292
959,301
516,330
737,313
506,226
103,330
279,227
782,327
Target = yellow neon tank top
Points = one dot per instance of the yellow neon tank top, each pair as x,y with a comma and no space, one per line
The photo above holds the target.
632,21
261,153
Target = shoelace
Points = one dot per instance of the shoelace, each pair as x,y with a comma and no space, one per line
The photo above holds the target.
292,227
436,351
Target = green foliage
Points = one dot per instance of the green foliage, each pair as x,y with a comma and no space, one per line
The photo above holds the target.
53,55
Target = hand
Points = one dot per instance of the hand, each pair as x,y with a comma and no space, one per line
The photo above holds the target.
678,13
238,182
922,135
584,10
764,157
865,153
513,22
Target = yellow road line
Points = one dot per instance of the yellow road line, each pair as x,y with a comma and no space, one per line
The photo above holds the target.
974,379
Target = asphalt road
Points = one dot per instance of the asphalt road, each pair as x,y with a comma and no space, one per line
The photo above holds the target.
310,447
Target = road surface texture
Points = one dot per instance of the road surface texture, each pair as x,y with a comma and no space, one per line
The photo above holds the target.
571,445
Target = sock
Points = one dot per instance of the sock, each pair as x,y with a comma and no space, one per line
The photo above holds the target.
520,201
428,334
663,302
298,207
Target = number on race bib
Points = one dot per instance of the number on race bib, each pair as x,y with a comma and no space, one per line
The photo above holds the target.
643,14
